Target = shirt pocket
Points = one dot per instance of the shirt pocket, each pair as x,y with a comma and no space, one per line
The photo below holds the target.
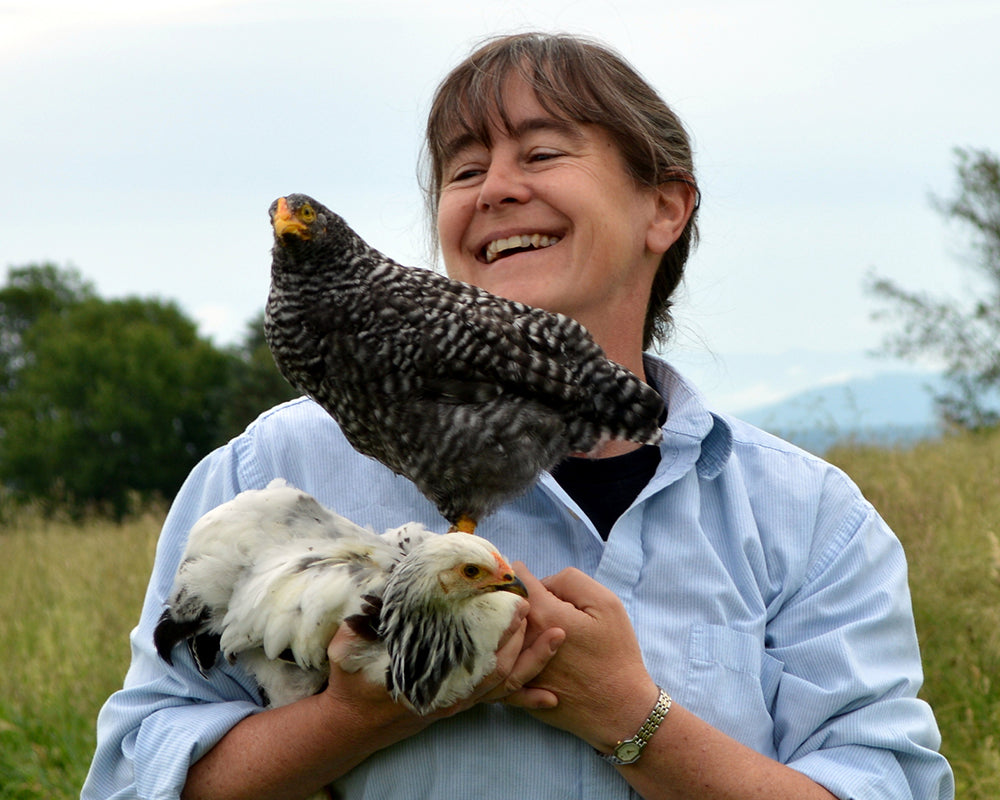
732,683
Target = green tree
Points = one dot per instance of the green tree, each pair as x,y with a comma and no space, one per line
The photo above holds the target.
102,400
113,398
30,292
964,335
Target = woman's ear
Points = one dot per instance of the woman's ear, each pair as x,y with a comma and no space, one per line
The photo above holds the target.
675,203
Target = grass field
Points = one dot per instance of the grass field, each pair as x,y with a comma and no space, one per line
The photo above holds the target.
943,500
70,593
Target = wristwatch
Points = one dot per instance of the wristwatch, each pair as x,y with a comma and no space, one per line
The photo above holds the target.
629,750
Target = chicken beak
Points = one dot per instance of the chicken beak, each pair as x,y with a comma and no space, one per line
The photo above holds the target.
514,585
285,222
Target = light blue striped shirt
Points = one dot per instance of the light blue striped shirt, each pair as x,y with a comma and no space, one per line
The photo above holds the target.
768,596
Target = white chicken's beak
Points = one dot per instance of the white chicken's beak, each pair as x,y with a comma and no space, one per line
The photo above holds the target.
515,586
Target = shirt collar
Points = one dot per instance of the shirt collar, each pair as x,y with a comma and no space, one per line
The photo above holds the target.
689,423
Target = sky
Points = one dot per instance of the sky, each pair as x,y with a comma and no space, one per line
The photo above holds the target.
142,144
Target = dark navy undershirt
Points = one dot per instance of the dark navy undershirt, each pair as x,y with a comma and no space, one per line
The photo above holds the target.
604,488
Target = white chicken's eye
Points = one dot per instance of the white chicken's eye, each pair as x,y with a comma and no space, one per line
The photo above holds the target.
471,571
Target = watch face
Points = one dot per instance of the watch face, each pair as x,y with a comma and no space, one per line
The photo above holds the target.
628,751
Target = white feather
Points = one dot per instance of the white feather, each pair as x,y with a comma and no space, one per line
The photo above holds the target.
272,572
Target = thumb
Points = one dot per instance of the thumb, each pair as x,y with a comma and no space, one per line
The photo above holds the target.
580,590
343,644
531,583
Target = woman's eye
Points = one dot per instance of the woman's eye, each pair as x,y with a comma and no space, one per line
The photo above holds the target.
543,155
466,174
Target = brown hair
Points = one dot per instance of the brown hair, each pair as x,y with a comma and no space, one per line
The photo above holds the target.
583,81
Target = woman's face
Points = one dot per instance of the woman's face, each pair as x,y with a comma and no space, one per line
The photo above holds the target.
548,215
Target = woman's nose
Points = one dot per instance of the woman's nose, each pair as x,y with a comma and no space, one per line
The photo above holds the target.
504,183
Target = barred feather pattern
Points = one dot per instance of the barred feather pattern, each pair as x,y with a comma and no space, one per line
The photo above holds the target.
267,578
468,395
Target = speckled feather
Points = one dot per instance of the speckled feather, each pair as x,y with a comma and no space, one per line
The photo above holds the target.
468,395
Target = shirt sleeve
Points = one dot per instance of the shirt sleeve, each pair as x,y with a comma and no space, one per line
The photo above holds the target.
165,718
846,712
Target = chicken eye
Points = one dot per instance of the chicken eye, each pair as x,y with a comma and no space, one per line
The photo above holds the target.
307,213
471,571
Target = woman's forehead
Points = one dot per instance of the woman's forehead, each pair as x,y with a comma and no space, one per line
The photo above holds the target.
514,109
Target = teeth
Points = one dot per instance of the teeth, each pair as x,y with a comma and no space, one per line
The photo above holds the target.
536,240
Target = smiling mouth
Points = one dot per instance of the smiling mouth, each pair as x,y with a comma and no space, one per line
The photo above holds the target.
500,248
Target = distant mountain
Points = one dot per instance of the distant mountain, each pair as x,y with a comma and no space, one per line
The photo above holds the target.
888,408
734,382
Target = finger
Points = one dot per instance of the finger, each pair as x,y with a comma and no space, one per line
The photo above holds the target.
580,590
491,688
526,575
508,650
545,608
542,652
532,698
516,623
529,664
536,588
342,644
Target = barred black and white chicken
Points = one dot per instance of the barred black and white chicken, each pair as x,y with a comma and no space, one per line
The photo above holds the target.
267,578
467,394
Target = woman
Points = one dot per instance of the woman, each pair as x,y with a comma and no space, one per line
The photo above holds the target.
749,580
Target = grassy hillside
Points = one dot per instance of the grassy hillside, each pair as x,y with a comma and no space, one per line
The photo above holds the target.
69,594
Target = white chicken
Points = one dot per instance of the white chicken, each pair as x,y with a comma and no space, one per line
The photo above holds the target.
268,577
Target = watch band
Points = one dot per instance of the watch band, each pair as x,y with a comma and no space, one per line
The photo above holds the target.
628,751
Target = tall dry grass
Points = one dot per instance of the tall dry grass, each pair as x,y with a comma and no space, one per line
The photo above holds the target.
69,595
943,501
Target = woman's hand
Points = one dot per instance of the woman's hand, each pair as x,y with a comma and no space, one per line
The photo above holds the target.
519,662
598,677
605,694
